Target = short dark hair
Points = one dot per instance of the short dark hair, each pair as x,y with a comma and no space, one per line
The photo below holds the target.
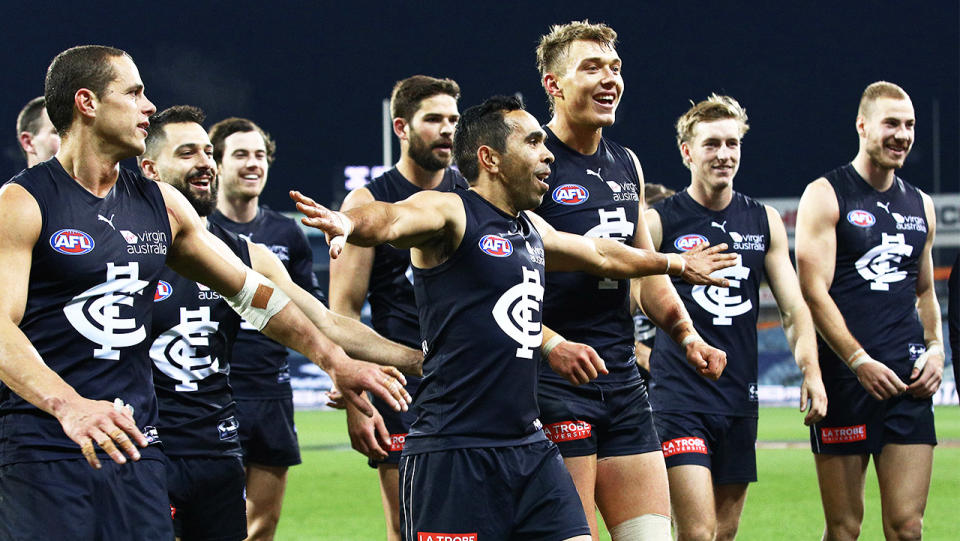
178,114
84,66
481,125
408,93
29,119
227,127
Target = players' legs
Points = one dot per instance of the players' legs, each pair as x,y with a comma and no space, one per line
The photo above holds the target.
903,472
632,486
390,496
841,479
694,506
729,500
265,488
583,470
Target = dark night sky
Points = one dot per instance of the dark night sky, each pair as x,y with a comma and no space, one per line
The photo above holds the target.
313,74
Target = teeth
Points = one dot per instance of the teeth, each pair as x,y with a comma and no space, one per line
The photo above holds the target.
251,177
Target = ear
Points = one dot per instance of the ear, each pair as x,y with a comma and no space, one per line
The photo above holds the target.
685,151
488,159
861,130
26,142
552,85
85,102
149,168
400,128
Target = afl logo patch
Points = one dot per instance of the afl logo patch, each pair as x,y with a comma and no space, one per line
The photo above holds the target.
570,194
164,290
496,246
861,218
72,242
689,241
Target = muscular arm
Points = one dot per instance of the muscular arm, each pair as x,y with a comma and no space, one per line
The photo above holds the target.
350,273
795,317
21,368
816,250
928,373
357,340
195,254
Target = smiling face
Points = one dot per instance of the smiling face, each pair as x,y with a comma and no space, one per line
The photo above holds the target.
123,111
887,131
713,154
185,161
244,167
430,132
525,165
589,89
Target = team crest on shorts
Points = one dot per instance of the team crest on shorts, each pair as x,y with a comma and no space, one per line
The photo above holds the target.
861,218
164,290
72,242
689,241
496,246
570,194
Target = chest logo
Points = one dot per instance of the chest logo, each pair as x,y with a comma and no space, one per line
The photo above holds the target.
175,351
688,241
72,242
496,246
718,300
96,313
879,265
517,313
164,290
861,218
570,194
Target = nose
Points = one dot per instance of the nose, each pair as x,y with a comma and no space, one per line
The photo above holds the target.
148,107
447,128
724,153
548,157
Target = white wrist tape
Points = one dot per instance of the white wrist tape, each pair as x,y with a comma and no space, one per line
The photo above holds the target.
689,339
933,346
551,343
258,300
858,358
683,265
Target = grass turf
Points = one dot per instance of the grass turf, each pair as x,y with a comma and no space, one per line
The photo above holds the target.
334,496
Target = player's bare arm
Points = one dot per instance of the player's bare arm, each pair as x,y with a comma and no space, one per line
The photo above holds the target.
195,255
86,422
430,224
927,372
350,273
795,318
578,363
816,249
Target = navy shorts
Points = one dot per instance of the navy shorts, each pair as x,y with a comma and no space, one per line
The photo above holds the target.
522,492
206,498
724,444
398,424
67,499
856,423
602,419
267,433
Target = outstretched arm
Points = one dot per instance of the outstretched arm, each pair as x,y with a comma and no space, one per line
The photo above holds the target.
796,319
199,256
816,249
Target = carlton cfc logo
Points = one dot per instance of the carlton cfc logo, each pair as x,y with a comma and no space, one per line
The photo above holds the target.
164,290
689,242
496,246
570,194
72,242
861,218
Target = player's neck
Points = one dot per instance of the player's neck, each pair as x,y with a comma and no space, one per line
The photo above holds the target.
84,160
714,199
584,139
238,209
418,176
493,191
880,178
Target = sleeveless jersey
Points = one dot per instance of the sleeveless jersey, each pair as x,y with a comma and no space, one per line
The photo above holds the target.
726,318
880,236
193,332
594,196
480,319
89,305
259,370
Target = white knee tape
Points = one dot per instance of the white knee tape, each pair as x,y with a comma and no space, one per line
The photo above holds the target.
258,300
649,527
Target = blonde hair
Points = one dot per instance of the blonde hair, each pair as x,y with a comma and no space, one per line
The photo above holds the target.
553,47
713,108
877,90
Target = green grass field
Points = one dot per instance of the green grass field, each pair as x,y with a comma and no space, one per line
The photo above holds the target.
333,495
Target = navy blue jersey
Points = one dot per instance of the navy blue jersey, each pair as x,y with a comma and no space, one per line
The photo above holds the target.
260,369
193,333
480,319
94,270
594,196
726,318
880,237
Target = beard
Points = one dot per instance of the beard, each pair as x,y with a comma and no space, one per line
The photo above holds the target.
422,154
205,203
881,160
